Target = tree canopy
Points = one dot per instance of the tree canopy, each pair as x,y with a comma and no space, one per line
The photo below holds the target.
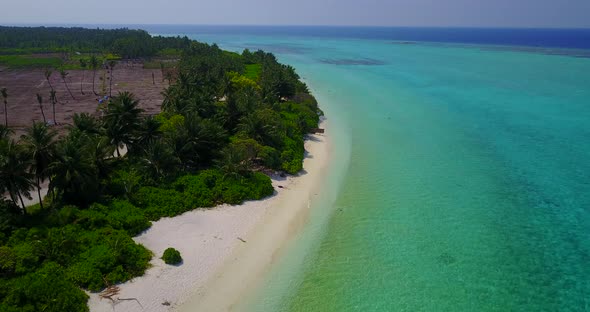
127,43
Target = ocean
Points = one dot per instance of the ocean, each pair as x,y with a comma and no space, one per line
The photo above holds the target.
460,178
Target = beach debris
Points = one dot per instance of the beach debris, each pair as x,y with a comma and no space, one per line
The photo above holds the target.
109,292
114,290
166,303
241,239
280,186
317,130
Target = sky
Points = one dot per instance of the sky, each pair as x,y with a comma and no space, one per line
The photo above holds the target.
453,13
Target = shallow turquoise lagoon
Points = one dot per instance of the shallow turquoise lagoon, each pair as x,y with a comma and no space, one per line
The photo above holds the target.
460,179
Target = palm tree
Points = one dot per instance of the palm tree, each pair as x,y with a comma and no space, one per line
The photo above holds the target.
53,99
209,137
148,132
99,146
40,101
234,163
262,125
112,67
94,66
87,124
197,141
4,93
14,174
48,74
159,160
83,64
64,75
74,176
39,146
181,145
122,120
101,153
172,103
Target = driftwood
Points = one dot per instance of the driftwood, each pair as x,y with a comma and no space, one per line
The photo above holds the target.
241,239
109,292
317,130
114,290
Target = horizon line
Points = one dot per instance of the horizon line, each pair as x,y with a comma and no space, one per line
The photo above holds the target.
73,24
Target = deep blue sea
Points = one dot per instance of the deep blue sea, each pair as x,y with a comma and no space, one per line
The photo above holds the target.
548,38
460,171
460,175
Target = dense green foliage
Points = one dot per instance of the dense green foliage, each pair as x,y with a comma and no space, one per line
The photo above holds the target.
253,71
172,256
69,48
207,189
124,42
45,289
226,117
264,119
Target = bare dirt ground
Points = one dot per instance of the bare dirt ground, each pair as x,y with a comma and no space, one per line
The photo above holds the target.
24,84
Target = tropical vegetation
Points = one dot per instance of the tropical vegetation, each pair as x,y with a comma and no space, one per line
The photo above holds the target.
226,119
171,256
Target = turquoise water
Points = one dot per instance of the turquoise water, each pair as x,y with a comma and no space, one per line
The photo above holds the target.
460,179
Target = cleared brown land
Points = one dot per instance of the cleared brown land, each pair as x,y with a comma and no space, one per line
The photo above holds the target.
24,84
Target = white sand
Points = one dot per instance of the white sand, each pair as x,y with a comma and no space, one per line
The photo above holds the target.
219,269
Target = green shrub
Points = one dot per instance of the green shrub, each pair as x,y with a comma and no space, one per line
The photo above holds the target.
26,258
172,256
255,186
200,190
93,218
292,156
59,244
65,215
304,117
85,275
95,262
261,186
210,187
157,202
7,260
112,254
123,215
46,289
292,162
270,157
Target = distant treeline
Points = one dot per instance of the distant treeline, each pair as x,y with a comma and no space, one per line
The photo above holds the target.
127,43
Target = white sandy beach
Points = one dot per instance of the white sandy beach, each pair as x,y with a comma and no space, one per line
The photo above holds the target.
219,269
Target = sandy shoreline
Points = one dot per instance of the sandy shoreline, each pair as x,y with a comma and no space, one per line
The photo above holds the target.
219,269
